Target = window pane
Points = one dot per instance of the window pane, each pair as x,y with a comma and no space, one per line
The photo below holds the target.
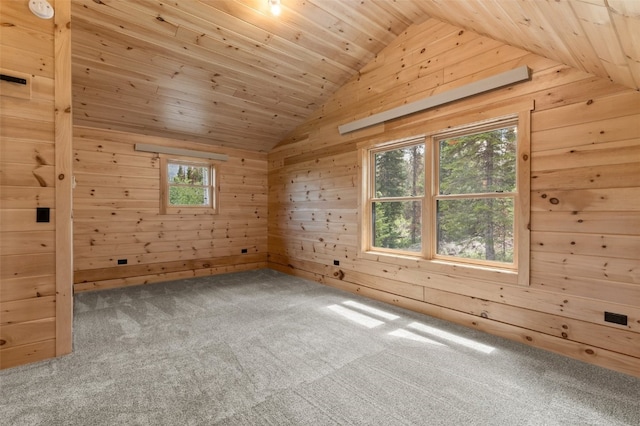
397,225
400,172
188,195
189,175
479,163
476,228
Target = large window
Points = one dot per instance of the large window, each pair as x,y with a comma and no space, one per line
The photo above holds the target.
454,196
188,187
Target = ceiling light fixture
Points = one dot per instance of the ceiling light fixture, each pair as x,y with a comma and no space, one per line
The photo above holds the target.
275,7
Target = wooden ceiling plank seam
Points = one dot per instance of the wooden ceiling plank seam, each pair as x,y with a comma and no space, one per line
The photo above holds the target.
566,25
259,57
271,98
148,119
108,69
122,12
324,45
216,122
291,104
195,33
363,17
533,22
181,79
84,77
466,18
179,50
230,131
231,141
599,30
502,23
237,101
268,62
139,102
196,72
230,64
289,53
413,11
625,16
210,122
320,23
106,43
103,63
227,72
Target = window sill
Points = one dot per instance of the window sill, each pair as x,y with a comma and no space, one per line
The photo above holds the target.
188,211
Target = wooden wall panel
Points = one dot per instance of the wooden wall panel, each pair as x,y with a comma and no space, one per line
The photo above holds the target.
33,143
585,178
116,215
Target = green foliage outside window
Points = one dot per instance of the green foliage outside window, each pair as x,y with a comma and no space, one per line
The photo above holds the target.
399,173
188,185
480,227
474,200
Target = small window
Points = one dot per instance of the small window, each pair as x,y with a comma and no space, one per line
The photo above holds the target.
458,196
188,187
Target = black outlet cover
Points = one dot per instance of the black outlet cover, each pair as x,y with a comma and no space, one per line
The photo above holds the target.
336,263
122,261
244,250
615,318
43,214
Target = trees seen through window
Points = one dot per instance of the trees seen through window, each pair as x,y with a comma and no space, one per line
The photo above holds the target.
449,196
188,187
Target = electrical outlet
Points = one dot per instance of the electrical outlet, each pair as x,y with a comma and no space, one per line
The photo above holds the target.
244,251
336,263
122,261
615,318
43,214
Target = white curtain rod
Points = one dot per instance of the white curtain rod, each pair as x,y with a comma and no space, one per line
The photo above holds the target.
144,147
499,80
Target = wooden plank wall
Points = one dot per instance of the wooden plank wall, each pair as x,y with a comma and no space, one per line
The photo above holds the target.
35,141
585,192
116,215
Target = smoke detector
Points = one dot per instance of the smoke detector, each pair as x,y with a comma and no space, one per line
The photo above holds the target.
41,8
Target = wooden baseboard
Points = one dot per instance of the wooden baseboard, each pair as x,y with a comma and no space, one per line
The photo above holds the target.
168,276
587,353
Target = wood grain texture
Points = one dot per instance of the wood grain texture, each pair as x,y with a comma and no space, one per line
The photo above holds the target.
31,352
585,233
28,163
228,73
545,339
117,215
64,178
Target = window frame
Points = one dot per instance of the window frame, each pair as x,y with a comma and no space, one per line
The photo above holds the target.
165,185
372,198
516,273
436,196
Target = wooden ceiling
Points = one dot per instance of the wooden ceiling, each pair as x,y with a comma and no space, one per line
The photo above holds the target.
227,72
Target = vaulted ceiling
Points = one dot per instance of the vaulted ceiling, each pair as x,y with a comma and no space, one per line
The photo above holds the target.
227,72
